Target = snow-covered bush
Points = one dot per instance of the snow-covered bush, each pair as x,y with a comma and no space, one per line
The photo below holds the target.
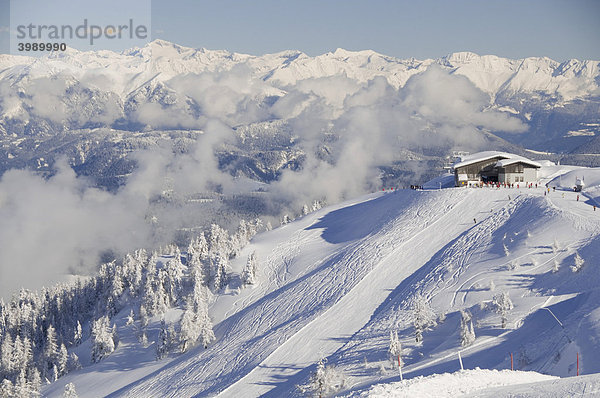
325,381
534,262
513,265
578,263
555,246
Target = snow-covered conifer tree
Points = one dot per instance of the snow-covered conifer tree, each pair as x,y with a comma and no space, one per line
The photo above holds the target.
50,352
195,324
218,241
162,342
395,349
160,292
54,373
21,389
207,335
134,266
73,362
502,305
7,389
103,339
70,391
249,272
77,335
189,329
149,301
62,359
6,355
316,205
423,316
194,264
130,318
173,279
220,267
18,355
467,331
27,355
305,210
34,380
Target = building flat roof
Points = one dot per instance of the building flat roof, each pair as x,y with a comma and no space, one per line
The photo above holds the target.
519,159
505,159
481,157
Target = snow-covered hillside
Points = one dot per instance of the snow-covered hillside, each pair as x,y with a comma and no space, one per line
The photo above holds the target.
334,284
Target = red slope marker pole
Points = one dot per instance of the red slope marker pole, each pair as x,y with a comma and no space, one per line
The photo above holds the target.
400,369
577,364
511,362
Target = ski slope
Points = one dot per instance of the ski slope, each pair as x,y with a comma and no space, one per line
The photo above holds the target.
334,283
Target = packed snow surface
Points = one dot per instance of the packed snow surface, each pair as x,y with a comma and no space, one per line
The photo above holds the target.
451,384
334,283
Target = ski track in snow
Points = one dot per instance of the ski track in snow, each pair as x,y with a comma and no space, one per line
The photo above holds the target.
245,341
292,323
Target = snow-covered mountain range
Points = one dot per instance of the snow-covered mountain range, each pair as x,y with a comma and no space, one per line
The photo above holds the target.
164,86
160,61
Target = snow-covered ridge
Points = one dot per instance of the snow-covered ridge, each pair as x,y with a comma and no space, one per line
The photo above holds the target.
162,60
335,282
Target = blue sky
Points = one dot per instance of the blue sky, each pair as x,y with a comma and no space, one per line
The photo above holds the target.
421,29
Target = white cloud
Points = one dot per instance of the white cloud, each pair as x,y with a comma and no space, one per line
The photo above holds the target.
51,226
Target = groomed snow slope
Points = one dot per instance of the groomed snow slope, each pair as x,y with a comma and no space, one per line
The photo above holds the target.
452,384
483,383
334,283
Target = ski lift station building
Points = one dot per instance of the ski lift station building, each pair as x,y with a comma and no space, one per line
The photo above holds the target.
495,167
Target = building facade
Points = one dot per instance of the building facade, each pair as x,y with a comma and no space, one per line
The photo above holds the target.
495,167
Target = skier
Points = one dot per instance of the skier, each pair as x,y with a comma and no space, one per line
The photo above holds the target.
578,198
475,221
